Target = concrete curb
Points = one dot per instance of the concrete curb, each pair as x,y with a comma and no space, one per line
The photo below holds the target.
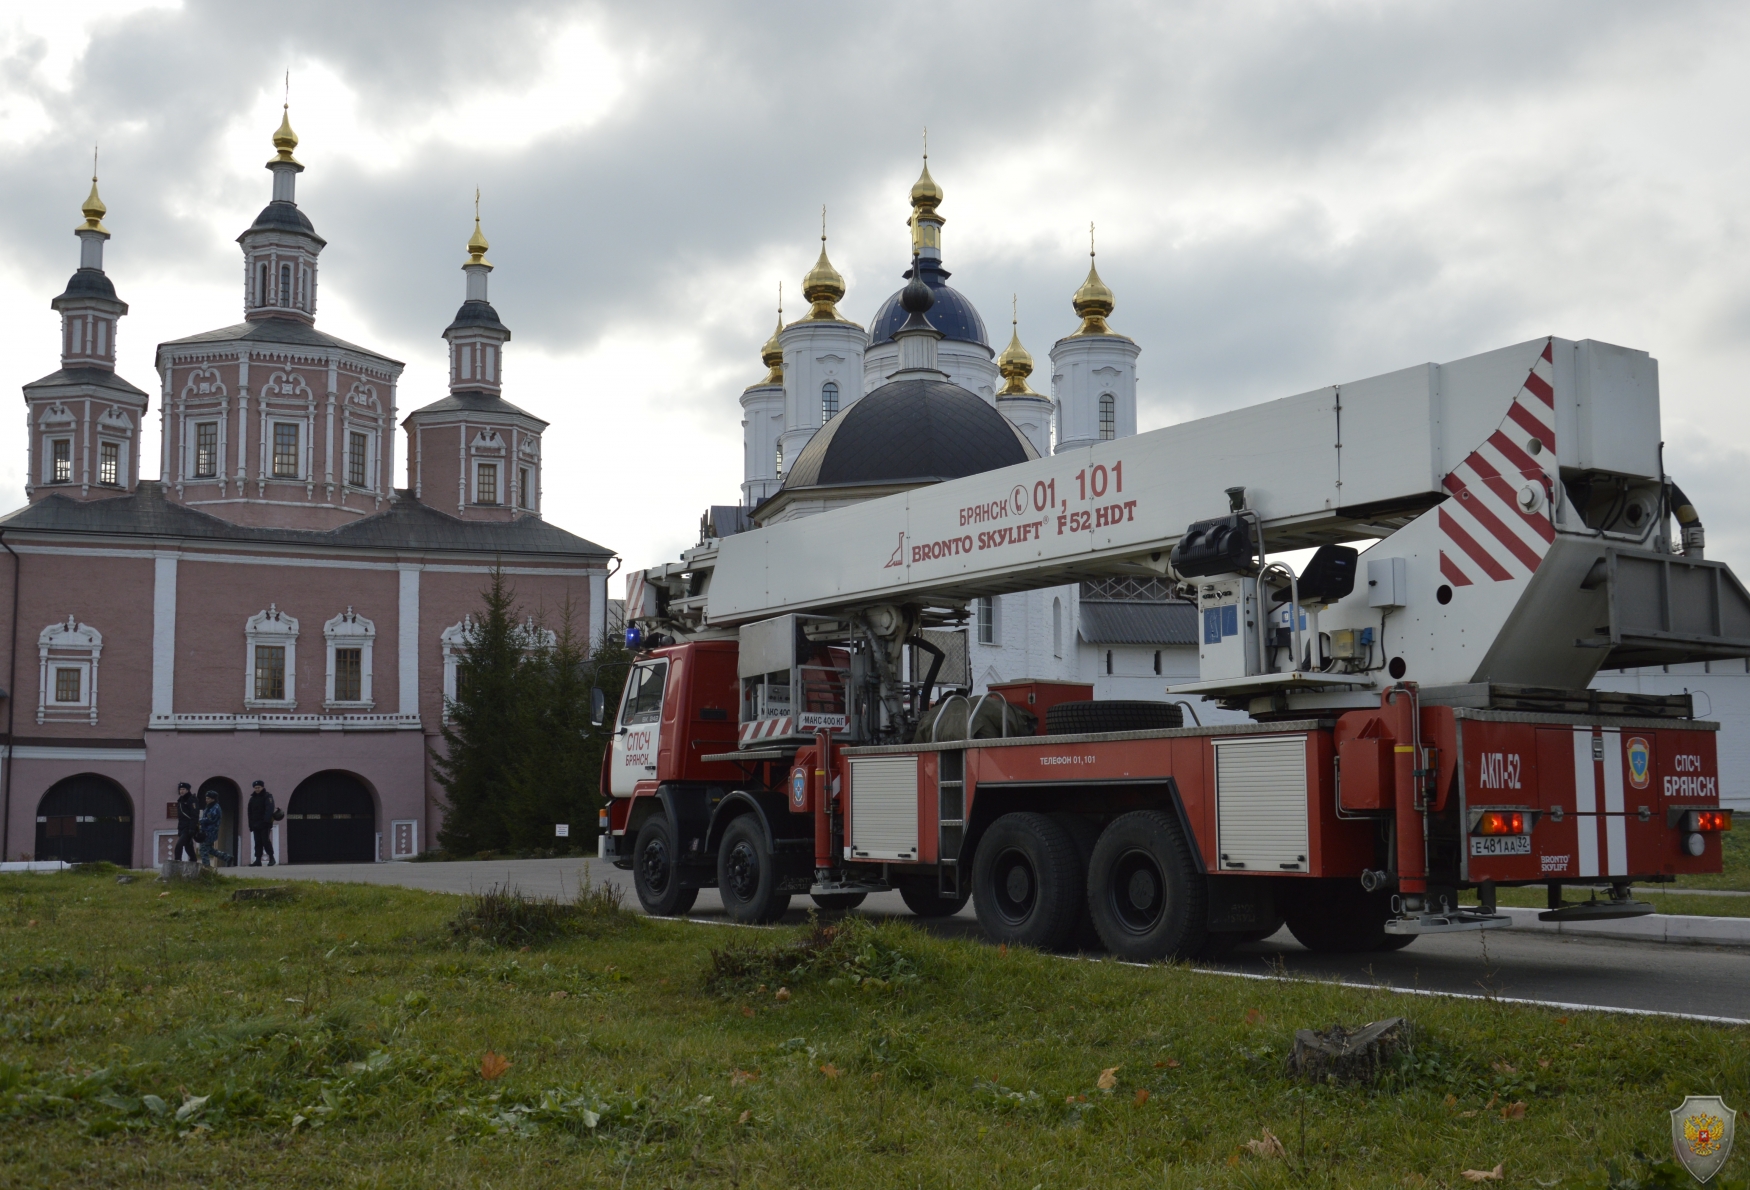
1655,927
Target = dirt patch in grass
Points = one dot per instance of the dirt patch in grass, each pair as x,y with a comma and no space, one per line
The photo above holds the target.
849,951
504,916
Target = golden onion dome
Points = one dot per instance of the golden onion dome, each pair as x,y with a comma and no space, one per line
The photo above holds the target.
1015,364
926,195
772,354
477,246
1093,302
284,139
94,211
823,286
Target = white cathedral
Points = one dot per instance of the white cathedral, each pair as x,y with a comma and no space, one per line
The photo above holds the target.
847,414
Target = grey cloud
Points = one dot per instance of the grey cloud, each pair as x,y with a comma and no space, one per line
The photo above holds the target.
748,117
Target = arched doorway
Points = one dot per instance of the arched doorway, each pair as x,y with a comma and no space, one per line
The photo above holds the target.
231,824
84,819
331,818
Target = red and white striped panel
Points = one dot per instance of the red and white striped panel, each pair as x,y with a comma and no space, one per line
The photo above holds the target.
766,729
1487,536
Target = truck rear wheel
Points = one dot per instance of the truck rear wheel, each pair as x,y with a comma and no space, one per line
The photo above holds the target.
1339,917
747,879
654,870
921,897
1027,882
1144,892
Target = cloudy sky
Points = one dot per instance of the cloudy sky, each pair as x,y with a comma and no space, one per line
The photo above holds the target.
1288,195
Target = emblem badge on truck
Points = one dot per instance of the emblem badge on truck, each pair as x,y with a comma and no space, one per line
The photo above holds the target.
1640,758
1701,1134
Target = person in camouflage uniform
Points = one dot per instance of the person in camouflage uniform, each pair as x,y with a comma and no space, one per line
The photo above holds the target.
211,815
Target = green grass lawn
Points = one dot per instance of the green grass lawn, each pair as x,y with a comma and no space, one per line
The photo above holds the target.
343,1038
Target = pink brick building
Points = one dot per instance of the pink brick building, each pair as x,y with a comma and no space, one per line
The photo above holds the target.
270,607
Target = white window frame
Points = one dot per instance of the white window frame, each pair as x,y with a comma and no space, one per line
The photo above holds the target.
349,630
194,448
989,625
303,427
69,645
270,627
497,464
121,463
370,437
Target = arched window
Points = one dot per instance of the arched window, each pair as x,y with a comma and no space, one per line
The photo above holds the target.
261,290
778,465
285,284
829,401
1108,417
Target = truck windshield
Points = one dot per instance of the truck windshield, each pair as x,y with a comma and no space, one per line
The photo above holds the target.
644,692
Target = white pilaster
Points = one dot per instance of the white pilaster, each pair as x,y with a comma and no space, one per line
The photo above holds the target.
407,634
163,637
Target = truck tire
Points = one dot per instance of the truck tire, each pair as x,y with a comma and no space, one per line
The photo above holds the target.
1084,832
921,897
1339,917
837,902
1087,718
655,873
1146,896
747,879
1026,882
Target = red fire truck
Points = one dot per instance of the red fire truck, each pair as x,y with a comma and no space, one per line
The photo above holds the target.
1420,722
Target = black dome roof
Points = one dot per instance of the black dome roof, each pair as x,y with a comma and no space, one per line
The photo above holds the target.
478,313
280,213
90,283
909,431
952,314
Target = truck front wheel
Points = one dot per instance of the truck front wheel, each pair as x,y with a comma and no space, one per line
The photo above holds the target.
1027,882
1147,900
654,871
1340,917
924,899
747,879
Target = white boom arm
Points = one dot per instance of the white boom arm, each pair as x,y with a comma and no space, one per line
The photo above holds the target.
1460,465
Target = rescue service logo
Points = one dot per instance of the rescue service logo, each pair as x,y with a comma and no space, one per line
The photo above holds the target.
1640,762
1701,1134
798,789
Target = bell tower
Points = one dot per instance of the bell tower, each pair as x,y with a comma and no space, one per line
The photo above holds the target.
1093,371
84,419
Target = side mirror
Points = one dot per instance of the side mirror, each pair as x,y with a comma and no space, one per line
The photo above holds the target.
598,707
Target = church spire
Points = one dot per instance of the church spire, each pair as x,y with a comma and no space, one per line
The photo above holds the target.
926,223
476,336
1015,363
1093,302
280,248
822,285
772,354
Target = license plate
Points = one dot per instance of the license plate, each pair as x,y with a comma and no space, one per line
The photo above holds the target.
1500,845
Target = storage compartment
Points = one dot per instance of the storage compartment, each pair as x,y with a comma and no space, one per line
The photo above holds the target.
884,808
1366,774
1038,695
1261,804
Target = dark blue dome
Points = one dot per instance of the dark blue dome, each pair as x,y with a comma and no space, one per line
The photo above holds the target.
952,314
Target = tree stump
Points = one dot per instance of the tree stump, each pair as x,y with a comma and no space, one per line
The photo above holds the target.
1346,1055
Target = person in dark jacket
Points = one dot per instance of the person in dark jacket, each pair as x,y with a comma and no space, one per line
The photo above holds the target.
262,816
188,824
211,816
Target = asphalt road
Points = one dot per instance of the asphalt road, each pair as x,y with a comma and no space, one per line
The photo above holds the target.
1650,977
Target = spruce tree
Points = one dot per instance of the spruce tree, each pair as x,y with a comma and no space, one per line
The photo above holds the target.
486,727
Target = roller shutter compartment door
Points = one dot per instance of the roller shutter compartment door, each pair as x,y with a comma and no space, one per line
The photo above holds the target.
884,807
1261,804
